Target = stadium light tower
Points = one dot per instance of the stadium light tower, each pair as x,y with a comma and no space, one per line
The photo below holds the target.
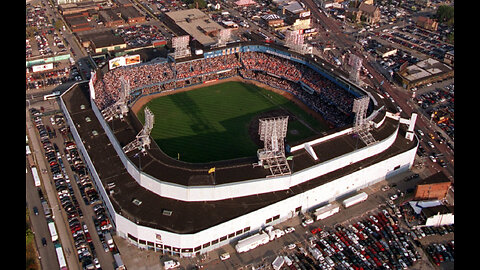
355,63
224,37
272,132
361,126
142,140
181,46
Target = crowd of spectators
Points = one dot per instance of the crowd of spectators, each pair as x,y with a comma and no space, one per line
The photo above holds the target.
329,99
205,66
315,101
272,64
333,102
332,92
107,90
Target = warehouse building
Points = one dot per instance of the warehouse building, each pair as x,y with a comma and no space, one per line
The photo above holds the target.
423,72
438,215
102,42
196,24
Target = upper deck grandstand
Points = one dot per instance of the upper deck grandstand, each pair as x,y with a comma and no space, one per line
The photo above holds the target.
320,93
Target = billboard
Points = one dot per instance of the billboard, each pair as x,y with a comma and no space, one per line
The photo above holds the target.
116,62
91,83
43,67
132,60
123,61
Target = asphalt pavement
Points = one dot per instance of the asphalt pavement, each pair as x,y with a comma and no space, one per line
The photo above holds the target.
48,259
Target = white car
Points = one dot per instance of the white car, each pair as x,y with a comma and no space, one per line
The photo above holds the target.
171,264
97,263
431,144
279,233
225,256
307,222
393,197
289,229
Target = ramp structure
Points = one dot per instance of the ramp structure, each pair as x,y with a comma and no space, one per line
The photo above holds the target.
272,132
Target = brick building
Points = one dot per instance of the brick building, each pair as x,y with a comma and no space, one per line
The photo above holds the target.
434,187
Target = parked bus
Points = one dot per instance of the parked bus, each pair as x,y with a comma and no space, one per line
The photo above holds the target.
36,178
61,258
53,231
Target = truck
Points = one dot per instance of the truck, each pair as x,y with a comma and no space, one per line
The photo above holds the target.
109,240
252,242
315,253
46,209
326,211
118,262
278,263
355,199
171,264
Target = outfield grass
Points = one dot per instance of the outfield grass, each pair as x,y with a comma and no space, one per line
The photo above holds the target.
211,123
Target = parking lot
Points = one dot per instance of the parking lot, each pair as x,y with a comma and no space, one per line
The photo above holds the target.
85,219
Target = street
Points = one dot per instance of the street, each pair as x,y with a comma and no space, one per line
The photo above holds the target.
48,258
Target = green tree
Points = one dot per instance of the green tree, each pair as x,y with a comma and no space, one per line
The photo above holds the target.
193,3
445,14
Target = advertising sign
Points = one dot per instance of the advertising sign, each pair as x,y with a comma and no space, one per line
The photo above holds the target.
116,62
132,60
43,67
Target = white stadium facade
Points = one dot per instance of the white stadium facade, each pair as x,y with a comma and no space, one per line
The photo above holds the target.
170,206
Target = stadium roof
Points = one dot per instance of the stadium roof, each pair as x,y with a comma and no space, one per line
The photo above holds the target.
191,217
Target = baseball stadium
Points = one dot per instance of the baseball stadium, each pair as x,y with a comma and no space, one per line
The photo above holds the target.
192,154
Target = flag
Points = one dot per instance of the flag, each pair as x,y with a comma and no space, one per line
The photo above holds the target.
212,170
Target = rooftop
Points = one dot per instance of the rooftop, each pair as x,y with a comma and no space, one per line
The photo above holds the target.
197,24
424,69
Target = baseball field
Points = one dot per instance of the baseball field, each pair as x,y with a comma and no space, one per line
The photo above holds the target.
220,122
